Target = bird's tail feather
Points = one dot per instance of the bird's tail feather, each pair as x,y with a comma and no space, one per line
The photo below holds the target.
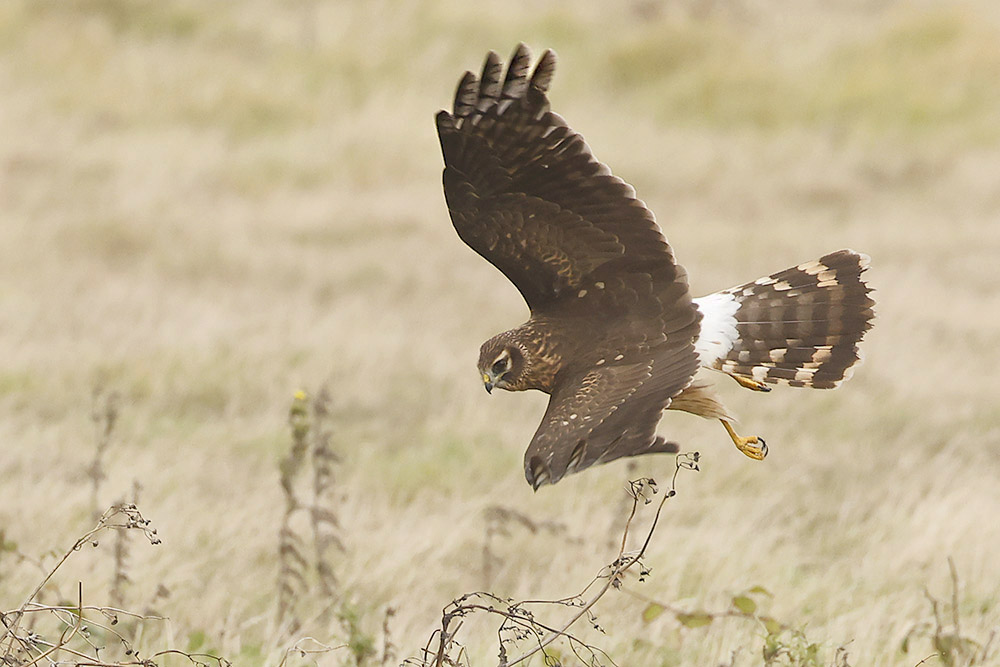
800,327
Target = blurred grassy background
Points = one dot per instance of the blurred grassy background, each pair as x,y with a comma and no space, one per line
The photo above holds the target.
205,206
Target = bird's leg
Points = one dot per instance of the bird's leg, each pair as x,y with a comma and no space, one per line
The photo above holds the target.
750,383
752,446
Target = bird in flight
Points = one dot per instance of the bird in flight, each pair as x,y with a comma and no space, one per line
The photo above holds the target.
615,337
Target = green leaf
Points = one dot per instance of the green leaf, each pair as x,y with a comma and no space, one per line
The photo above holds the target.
744,604
772,626
196,640
5,544
696,619
812,652
759,590
652,612
945,644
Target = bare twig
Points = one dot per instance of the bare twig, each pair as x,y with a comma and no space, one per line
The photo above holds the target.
624,562
388,648
292,564
520,622
104,414
305,550
954,600
64,638
323,519
952,647
120,578
133,520
303,652
14,641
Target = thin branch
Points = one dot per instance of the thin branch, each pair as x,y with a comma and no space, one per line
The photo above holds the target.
954,597
622,564
295,648
102,524
520,624
64,638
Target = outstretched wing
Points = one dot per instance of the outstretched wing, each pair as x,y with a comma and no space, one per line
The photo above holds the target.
525,192
606,412
609,396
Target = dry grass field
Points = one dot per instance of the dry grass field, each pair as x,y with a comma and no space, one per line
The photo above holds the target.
208,206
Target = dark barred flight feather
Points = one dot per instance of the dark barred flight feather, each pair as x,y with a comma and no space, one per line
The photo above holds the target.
614,336
802,326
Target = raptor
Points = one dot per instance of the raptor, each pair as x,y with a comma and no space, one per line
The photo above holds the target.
614,336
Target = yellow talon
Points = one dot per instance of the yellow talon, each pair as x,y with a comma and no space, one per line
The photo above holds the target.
750,384
752,446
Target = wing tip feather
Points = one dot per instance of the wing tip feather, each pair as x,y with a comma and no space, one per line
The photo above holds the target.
516,81
545,69
465,95
445,121
489,80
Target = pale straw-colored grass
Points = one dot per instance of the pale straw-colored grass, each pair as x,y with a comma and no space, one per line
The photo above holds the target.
208,206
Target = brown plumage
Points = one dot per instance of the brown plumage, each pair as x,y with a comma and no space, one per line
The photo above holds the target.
801,326
614,336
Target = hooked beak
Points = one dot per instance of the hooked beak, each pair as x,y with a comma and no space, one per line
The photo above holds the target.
488,383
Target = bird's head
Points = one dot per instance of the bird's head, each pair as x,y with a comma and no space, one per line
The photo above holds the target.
501,363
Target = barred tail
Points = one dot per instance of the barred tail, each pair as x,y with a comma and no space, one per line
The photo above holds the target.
799,327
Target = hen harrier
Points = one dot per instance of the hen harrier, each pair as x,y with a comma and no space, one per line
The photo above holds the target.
614,335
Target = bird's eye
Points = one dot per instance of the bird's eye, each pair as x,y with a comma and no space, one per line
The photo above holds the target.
499,367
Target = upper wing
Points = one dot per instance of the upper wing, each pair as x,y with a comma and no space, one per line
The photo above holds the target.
525,192
607,412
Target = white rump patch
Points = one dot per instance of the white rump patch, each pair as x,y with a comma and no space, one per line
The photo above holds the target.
718,327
